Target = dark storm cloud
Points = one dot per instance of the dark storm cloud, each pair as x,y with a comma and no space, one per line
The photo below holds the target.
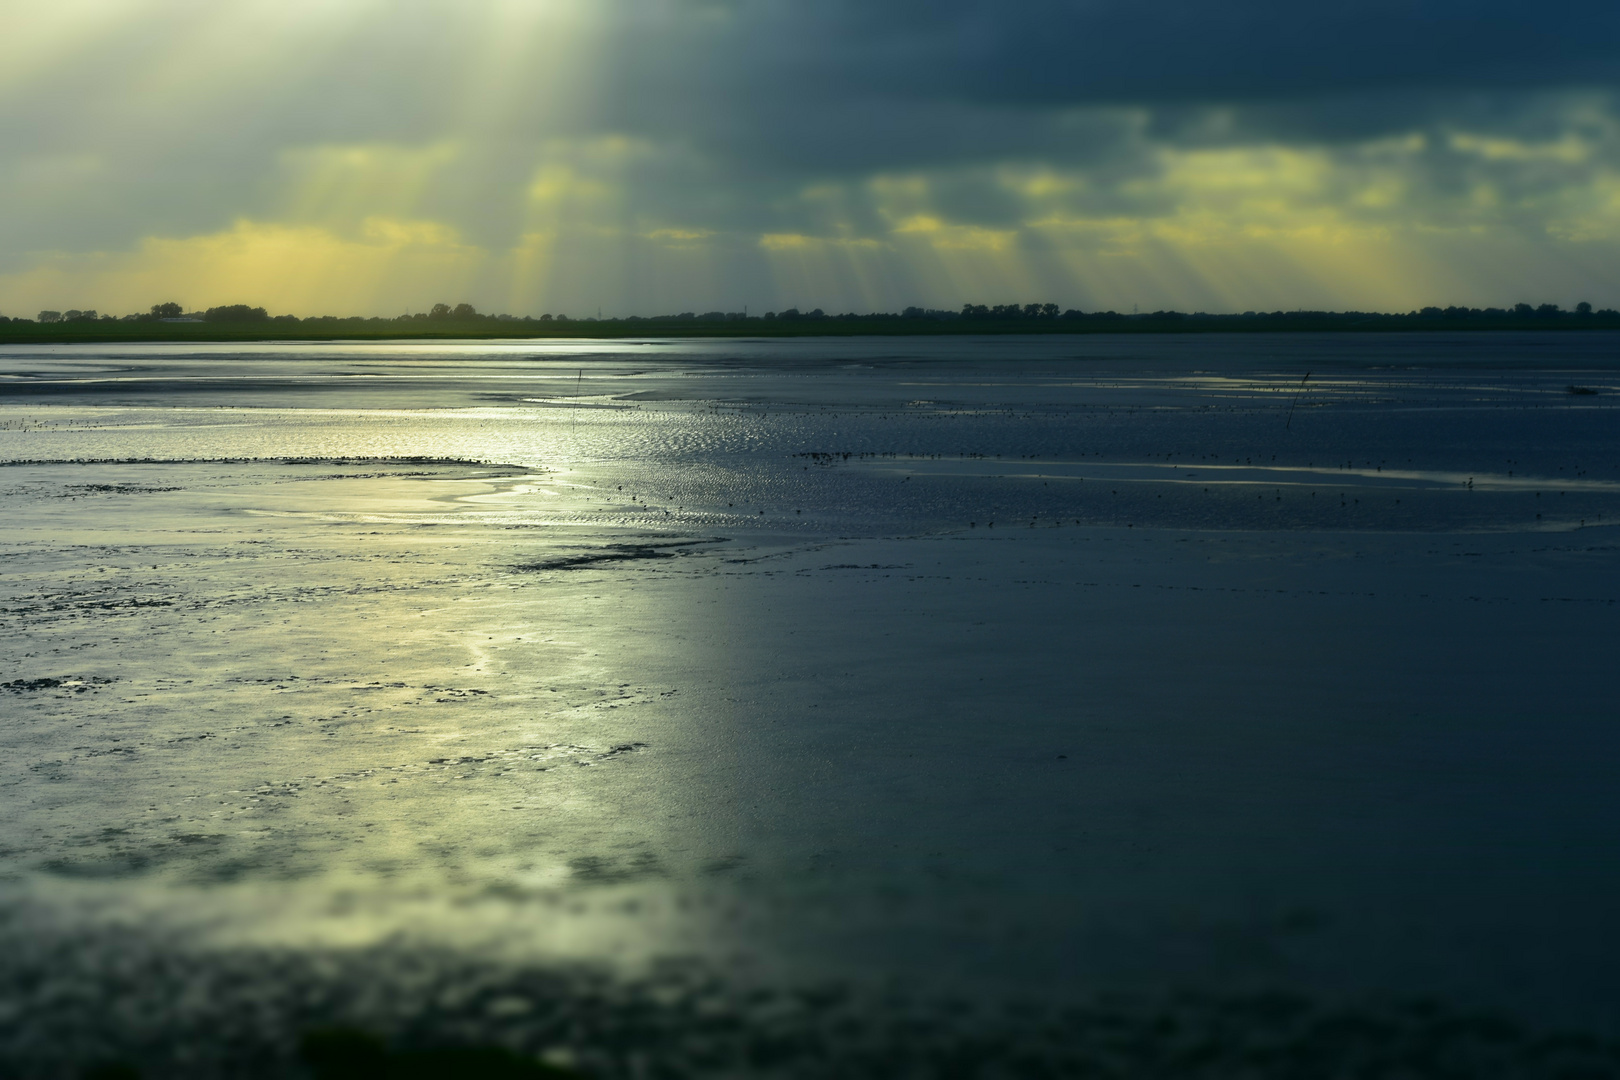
1060,52
838,84
847,84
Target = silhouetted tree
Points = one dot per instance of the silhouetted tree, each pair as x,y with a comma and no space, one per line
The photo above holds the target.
171,310
236,313
463,311
439,311
1583,308
49,316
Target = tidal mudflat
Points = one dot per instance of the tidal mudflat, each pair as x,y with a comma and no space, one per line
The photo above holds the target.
1185,706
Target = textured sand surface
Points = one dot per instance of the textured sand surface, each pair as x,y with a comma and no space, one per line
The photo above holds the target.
620,702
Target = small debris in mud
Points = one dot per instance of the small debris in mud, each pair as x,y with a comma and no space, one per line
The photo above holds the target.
618,553
454,693
71,683
115,489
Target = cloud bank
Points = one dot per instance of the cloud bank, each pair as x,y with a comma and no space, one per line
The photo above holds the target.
658,155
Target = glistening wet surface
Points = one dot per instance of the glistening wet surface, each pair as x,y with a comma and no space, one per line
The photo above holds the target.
814,708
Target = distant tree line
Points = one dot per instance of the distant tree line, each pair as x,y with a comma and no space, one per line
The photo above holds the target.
167,312
445,319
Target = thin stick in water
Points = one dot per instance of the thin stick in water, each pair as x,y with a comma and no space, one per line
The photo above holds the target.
1295,402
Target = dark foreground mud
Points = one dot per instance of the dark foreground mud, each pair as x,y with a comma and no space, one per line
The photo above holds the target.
165,1011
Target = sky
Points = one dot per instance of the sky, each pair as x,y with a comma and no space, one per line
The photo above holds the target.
657,156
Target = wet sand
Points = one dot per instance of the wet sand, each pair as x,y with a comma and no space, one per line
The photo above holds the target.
497,696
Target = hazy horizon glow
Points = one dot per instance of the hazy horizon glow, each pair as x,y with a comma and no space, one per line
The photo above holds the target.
648,156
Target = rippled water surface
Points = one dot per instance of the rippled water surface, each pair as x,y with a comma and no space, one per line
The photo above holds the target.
393,678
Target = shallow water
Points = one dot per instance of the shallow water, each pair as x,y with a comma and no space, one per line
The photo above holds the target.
986,669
